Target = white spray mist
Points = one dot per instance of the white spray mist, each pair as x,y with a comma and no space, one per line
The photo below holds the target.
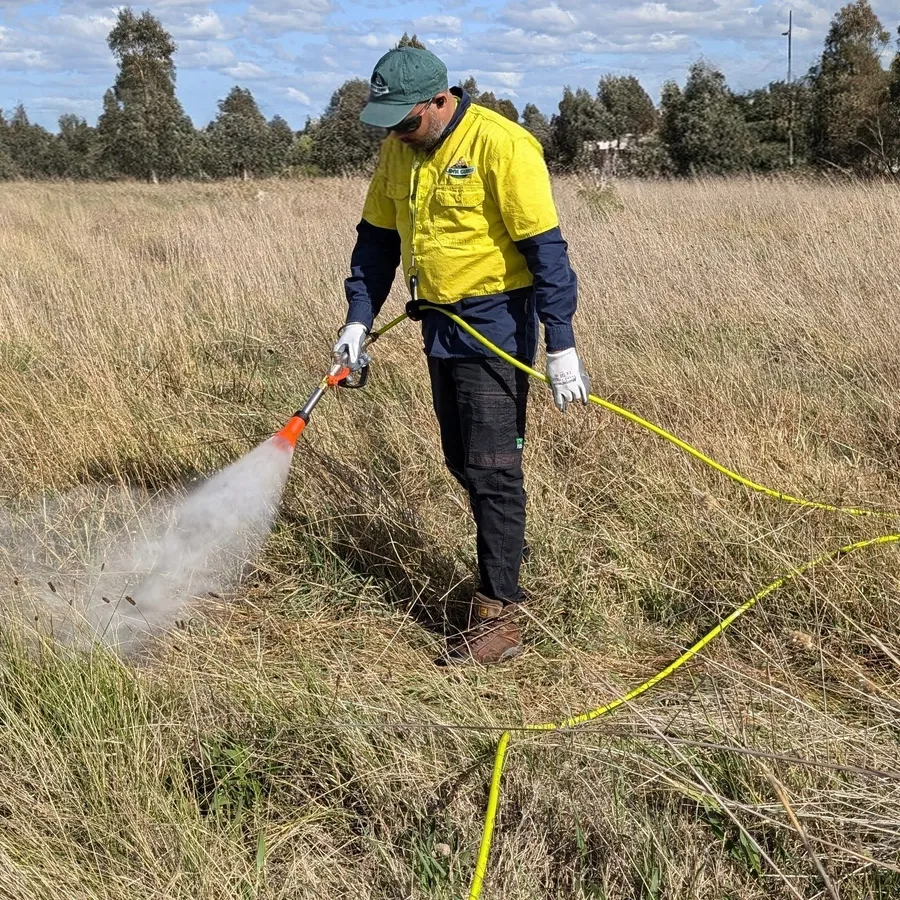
124,567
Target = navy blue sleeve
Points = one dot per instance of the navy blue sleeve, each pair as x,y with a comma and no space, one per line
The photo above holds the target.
555,286
373,264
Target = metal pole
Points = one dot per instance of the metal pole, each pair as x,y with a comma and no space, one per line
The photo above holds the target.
789,34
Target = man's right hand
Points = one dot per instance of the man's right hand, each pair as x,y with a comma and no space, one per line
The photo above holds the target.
350,343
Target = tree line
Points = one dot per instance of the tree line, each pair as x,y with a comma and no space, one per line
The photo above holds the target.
843,116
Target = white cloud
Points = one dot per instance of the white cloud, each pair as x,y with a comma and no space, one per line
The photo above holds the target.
64,104
446,45
245,70
547,19
178,4
322,81
298,96
202,26
157,6
438,25
502,79
737,20
728,16
295,15
661,37
555,47
88,28
281,53
518,41
17,60
204,55
57,43
547,61
659,43
370,40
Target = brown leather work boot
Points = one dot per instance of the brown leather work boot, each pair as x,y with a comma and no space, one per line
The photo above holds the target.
493,635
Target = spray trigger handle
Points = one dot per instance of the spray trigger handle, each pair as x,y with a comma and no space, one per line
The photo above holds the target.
358,374
356,379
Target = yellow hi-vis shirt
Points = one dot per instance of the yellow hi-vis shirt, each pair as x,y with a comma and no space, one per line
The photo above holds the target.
460,210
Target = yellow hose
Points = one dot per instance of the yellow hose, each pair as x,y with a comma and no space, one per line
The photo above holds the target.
661,432
589,716
575,721
489,819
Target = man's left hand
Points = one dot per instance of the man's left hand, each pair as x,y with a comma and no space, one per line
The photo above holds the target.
568,379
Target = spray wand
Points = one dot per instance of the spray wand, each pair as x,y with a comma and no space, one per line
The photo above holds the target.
339,375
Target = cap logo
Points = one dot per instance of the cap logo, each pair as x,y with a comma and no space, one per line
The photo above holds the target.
460,169
378,87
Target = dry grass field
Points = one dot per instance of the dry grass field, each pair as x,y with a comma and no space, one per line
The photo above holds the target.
281,743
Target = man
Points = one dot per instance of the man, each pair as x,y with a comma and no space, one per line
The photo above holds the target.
462,196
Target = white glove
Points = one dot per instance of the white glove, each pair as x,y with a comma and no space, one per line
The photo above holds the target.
350,344
568,380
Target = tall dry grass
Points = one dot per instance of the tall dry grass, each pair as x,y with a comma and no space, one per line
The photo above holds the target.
279,745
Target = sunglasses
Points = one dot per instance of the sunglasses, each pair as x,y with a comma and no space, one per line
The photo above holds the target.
408,126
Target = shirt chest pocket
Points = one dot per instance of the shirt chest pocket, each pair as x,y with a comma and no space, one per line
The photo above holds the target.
399,193
458,214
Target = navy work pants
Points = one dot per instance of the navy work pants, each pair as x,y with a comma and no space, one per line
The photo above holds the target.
480,407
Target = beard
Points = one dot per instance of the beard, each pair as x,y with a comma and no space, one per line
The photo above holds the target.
430,139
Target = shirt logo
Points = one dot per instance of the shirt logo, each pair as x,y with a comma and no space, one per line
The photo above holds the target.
460,169
378,87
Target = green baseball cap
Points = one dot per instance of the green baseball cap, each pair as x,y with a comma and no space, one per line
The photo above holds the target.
402,78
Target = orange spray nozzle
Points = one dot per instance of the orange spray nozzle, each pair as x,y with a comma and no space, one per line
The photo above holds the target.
292,430
334,378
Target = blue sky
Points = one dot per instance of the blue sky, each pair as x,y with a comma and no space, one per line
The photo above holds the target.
293,53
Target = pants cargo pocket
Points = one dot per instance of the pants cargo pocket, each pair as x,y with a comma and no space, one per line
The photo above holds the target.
494,436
